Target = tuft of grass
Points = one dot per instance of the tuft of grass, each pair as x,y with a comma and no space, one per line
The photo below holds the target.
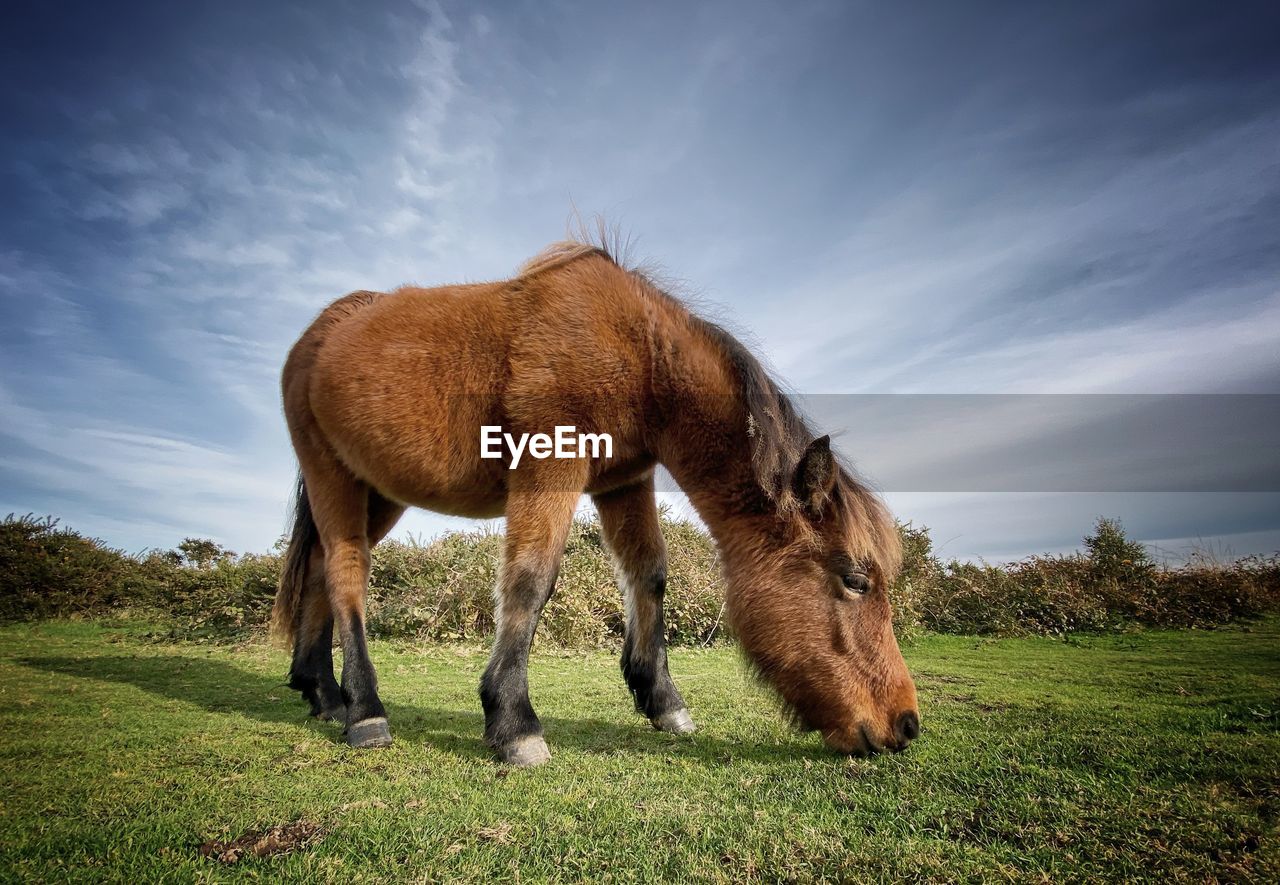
1111,757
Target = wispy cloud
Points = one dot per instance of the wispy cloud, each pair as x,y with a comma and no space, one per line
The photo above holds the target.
1129,273
882,200
96,469
230,246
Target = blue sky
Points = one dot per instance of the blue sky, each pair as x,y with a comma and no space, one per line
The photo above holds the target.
907,198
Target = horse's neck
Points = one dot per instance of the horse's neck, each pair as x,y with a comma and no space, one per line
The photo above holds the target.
704,441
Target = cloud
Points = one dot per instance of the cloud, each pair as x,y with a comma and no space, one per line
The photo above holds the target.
1003,527
117,472
1124,274
234,243
888,202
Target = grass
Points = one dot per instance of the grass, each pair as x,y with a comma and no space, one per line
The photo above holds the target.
1136,756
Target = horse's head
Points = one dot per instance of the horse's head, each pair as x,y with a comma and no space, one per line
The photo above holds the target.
811,608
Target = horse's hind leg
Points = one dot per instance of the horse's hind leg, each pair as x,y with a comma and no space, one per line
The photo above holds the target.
633,533
312,670
537,524
340,506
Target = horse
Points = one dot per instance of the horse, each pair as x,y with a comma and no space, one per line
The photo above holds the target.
385,397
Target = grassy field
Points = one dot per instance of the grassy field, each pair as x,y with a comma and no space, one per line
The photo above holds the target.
1153,755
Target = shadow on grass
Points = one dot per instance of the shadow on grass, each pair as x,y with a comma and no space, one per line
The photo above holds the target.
223,688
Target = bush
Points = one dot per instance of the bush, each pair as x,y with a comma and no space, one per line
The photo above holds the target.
225,597
1112,586
47,571
1205,593
443,590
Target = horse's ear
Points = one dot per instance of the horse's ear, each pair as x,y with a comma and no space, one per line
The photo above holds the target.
815,476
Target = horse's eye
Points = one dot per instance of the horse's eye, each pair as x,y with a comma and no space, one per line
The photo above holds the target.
856,582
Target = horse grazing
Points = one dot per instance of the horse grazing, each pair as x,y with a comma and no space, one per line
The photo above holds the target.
386,396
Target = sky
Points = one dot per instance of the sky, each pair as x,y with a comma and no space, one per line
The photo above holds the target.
985,205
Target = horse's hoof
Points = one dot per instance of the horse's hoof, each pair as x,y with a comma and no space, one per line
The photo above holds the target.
525,752
369,733
675,722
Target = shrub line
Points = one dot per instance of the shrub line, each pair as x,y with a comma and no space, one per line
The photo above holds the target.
441,591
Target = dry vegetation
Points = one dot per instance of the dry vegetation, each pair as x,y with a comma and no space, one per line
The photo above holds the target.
441,591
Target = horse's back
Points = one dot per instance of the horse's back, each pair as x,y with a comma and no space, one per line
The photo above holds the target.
400,384
393,385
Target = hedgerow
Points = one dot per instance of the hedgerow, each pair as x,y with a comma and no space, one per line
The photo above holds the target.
442,590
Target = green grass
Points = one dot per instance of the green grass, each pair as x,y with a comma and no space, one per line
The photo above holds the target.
1146,755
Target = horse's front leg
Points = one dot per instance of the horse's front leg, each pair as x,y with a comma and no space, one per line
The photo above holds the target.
539,512
631,528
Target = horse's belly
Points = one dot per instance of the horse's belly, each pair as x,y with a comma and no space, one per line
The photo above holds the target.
435,465
471,506
470,493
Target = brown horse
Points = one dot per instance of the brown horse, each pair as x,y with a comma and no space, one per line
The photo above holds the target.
385,397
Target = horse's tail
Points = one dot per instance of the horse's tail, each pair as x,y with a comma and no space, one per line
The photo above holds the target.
293,576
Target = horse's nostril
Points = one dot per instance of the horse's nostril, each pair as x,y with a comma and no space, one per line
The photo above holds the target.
907,728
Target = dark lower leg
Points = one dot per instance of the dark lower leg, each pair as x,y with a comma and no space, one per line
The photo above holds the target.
347,573
359,681
631,528
644,653
510,724
362,708
539,510
312,669
312,674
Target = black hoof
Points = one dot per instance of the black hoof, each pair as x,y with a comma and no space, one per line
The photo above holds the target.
675,722
369,734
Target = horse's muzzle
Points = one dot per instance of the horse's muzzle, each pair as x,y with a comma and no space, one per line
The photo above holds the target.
907,728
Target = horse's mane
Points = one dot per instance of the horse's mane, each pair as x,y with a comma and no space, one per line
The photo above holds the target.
778,430
560,254
780,436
